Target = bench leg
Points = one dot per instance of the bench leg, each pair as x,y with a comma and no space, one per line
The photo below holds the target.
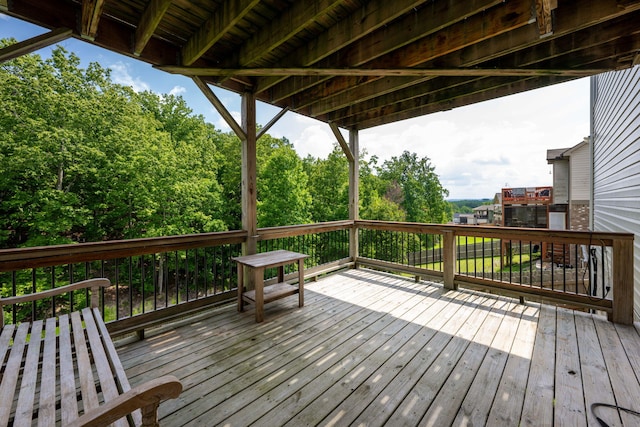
150,415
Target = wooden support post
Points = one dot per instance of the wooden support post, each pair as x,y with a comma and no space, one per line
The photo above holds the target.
622,282
354,198
449,259
248,178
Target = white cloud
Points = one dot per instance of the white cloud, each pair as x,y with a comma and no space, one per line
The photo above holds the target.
316,139
177,90
222,123
120,74
477,150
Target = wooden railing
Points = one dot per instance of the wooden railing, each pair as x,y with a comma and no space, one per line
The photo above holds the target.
157,279
589,270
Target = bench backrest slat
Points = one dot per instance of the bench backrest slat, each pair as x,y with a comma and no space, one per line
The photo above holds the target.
12,372
87,381
69,405
101,361
28,384
47,404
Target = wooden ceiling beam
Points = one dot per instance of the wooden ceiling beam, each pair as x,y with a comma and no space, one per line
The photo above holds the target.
470,56
591,57
35,43
225,17
293,20
446,39
441,90
114,35
91,14
397,72
373,15
437,96
151,17
603,39
421,23
47,14
460,101
493,22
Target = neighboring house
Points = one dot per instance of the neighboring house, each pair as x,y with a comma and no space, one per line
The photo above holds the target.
483,214
464,218
615,144
497,209
571,186
526,206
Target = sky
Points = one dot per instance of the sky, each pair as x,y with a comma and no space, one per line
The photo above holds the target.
476,150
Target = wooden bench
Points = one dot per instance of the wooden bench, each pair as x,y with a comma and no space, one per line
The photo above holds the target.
65,371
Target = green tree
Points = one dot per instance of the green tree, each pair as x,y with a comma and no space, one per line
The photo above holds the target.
283,196
413,184
93,160
329,186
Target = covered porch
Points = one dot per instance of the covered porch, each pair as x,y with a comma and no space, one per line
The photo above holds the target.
371,348
368,348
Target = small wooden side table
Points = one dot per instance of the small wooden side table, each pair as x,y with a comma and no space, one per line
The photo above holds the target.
261,295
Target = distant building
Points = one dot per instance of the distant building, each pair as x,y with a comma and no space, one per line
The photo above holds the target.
483,214
526,206
497,209
571,189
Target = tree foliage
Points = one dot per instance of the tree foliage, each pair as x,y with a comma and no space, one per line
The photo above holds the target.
86,159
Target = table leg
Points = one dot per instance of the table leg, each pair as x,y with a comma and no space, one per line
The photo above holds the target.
281,274
300,283
259,283
240,287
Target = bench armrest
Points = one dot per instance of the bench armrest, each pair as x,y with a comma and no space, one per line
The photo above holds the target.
146,396
90,283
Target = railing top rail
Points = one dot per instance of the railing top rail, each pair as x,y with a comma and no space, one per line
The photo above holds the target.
505,233
301,229
43,256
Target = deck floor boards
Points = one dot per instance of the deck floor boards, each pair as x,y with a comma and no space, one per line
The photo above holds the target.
374,349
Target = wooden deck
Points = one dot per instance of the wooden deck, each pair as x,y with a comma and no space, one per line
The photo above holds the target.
373,349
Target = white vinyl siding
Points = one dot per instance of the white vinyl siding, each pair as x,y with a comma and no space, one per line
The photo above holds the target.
561,182
616,158
580,174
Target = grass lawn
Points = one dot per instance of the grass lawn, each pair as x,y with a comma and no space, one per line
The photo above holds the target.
488,264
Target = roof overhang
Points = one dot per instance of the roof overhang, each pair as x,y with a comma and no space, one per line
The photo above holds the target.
355,63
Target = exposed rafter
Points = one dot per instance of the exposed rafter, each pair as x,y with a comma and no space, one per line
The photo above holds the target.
344,89
382,41
278,31
34,43
148,23
91,13
379,72
371,16
223,19
358,63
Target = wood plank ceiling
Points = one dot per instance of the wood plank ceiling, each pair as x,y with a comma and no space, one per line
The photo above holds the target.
356,63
